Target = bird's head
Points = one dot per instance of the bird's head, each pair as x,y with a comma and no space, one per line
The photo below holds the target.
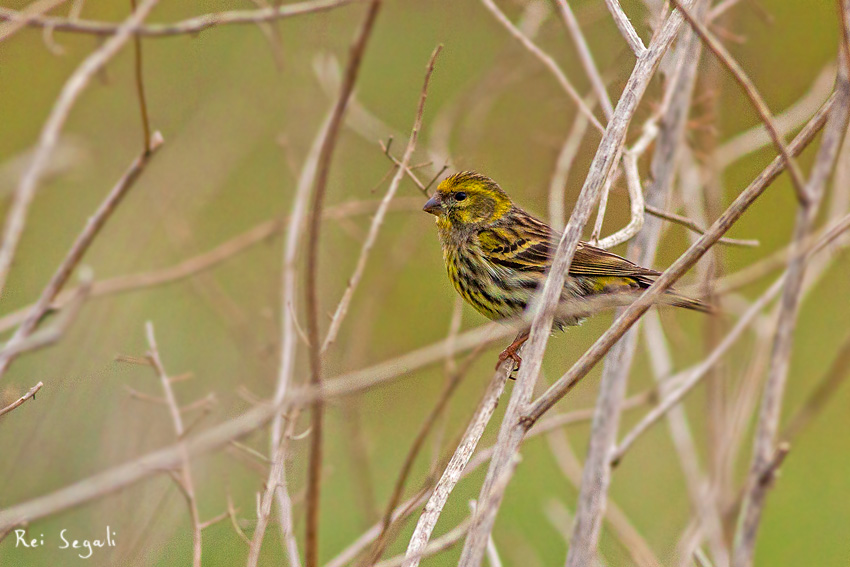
468,199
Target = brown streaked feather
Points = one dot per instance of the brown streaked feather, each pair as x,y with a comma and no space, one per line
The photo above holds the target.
535,250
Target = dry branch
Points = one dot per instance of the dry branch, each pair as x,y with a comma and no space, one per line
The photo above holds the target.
596,476
585,56
326,152
74,86
288,333
738,207
183,478
752,93
544,58
30,395
191,26
454,470
768,423
688,223
78,249
378,219
626,28
514,426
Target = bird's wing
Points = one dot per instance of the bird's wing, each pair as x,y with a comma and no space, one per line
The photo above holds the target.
521,243
525,244
592,261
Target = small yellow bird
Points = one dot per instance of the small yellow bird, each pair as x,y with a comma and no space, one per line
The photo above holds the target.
497,255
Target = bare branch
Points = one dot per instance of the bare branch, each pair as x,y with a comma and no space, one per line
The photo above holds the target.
688,223
184,478
514,425
20,401
191,26
636,205
544,58
563,165
378,219
274,483
33,10
752,93
768,423
674,272
52,333
78,249
457,464
586,57
140,88
74,86
626,28
311,288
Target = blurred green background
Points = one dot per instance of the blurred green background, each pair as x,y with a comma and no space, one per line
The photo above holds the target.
238,114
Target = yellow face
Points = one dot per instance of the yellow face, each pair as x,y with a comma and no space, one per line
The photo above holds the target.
466,199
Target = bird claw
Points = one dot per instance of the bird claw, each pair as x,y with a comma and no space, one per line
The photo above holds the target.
509,353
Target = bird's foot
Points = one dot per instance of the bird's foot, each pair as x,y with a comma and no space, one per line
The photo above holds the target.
510,352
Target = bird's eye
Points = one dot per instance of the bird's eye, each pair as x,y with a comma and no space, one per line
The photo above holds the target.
460,196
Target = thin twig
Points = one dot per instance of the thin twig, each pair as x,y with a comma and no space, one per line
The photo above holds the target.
691,225
289,328
184,478
514,426
636,204
454,470
78,249
563,165
311,286
52,333
231,512
190,26
34,9
585,56
274,483
378,219
20,401
771,408
24,194
626,28
674,272
207,260
544,58
140,88
752,93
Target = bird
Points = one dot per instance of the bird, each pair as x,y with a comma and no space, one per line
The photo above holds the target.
497,256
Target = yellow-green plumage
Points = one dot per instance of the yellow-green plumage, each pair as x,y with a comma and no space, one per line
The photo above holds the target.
497,255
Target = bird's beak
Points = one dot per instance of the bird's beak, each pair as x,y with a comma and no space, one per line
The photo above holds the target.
432,206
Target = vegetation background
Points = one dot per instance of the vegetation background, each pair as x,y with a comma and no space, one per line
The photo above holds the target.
238,107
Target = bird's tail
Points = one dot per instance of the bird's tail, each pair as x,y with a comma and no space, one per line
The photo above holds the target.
676,299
